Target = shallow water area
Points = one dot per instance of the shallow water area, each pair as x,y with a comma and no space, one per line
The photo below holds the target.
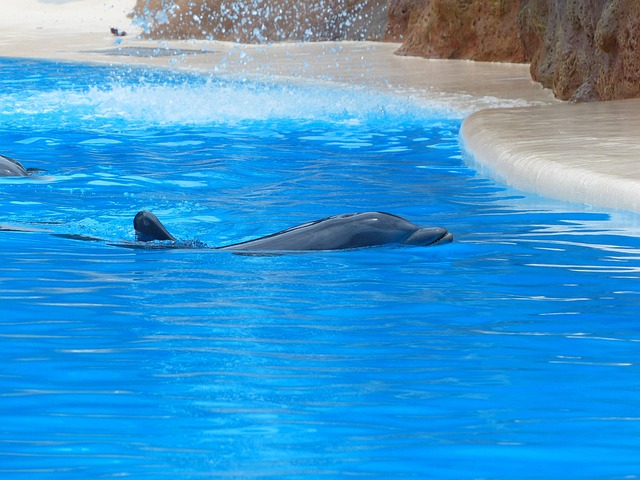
496,356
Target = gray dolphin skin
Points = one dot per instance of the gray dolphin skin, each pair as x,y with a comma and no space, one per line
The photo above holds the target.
340,232
11,168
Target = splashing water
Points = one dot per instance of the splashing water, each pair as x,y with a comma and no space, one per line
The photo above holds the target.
137,97
259,21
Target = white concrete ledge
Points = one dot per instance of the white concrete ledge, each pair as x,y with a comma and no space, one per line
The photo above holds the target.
587,153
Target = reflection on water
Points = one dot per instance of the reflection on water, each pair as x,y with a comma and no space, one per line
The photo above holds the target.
510,346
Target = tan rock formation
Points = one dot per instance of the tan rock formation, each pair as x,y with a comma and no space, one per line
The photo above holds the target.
472,29
261,21
584,49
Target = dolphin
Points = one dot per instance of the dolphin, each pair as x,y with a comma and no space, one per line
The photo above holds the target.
13,168
339,232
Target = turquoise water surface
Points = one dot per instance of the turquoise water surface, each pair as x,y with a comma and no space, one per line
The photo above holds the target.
511,353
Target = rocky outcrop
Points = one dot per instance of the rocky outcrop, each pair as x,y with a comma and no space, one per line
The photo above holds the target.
484,30
582,49
262,21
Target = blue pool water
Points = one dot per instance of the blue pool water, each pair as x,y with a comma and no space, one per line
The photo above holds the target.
511,353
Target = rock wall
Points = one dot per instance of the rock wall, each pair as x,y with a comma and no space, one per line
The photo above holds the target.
484,30
582,49
262,21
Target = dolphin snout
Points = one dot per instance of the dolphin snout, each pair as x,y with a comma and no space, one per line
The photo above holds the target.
429,236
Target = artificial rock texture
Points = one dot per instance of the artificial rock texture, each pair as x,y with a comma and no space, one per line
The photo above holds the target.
484,30
582,49
263,21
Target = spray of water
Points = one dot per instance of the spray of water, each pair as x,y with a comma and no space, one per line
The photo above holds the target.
262,21
206,100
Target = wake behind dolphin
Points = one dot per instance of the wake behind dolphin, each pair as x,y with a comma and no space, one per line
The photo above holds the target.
339,232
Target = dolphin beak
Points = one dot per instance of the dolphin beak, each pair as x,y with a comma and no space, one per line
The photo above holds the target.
446,238
429,236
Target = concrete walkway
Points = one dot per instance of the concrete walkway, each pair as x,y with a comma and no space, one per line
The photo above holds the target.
588,153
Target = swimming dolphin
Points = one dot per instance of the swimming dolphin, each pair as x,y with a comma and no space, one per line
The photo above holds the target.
13,168
340,232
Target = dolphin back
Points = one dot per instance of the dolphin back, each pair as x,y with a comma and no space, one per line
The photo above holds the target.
11,168
339,232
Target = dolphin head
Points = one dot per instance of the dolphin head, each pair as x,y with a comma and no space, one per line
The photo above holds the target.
148,228
429,236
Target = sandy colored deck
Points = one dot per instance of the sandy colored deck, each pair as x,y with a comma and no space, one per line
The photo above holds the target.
587,153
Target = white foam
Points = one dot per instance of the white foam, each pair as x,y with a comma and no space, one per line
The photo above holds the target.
211,101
